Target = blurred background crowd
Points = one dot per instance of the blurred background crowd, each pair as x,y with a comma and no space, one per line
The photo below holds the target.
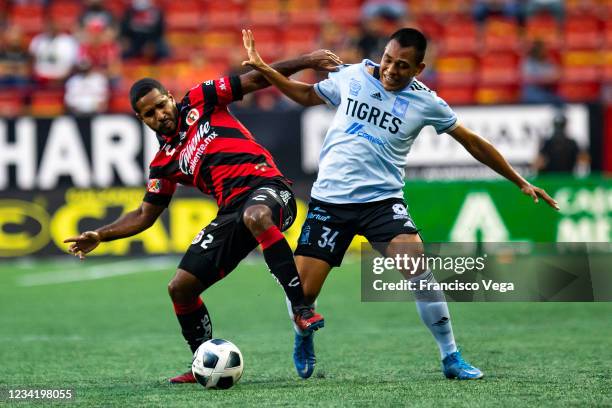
59,56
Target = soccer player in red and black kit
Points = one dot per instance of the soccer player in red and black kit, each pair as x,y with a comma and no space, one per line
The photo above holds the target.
203,145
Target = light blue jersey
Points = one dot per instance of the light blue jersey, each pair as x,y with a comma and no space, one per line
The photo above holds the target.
364,152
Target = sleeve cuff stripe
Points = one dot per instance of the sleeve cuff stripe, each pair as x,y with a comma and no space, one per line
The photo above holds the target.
448,128
322,94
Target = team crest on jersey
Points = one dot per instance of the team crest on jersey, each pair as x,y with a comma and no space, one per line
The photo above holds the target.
192,116
354,87
399,107
154,186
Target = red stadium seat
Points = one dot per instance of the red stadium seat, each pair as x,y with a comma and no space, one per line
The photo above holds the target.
607,66
501,34
120,101
300,39
29,17
308,12
579,91
264,12
543,28
12,103
223,14
581,66
345,12
430,26
183,43
492,94
217,43
65,13
460,36
116,7
498,68
456,94
582,31
47,103
184,15
456,69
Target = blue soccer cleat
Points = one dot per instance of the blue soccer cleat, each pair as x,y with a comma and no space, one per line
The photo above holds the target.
304,355
454,366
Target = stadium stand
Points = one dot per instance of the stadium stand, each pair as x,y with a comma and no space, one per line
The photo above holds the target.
475,61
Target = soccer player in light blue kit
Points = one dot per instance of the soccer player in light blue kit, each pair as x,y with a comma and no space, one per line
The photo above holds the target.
381,109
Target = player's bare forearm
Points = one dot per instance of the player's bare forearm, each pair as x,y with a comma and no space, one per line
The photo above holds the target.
127,225
130,223
486,153
255,80
300,92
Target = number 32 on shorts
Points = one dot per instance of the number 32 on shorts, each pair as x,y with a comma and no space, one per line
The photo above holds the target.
328,238
205,242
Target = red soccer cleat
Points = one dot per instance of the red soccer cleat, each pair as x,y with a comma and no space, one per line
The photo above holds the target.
308,320
186,378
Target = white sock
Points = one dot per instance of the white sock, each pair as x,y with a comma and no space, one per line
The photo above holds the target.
291,316
433,310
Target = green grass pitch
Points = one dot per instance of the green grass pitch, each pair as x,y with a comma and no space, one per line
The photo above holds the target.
115,341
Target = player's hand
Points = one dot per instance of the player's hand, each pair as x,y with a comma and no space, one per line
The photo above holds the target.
324,60
536,192
83,244
254,60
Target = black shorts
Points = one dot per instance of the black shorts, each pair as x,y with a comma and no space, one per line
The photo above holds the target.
330,228
226,241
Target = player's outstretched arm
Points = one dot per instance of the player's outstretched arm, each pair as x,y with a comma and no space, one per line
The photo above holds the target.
300,92
128,224
486,153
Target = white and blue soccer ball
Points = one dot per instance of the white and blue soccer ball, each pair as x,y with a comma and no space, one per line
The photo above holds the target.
217,363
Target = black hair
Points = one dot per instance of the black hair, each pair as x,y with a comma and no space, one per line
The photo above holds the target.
142,87
411,37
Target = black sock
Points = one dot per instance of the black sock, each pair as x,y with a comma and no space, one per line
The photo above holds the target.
195,323
279,258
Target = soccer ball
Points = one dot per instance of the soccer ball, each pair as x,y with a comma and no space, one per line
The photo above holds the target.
217,363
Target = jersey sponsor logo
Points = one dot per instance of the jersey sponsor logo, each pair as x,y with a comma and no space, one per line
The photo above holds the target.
373,115
304,236
354,87
355,129
154,186
399,107
193,151
318,217
192,116
377,96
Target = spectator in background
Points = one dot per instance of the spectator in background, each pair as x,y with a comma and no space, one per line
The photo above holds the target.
54,55
540,76
560,153
14,59
142,30
373,38
554,7
87,91
96,13
99,46
395,9
511,9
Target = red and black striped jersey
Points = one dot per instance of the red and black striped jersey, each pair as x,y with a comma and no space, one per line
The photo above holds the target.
211,150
